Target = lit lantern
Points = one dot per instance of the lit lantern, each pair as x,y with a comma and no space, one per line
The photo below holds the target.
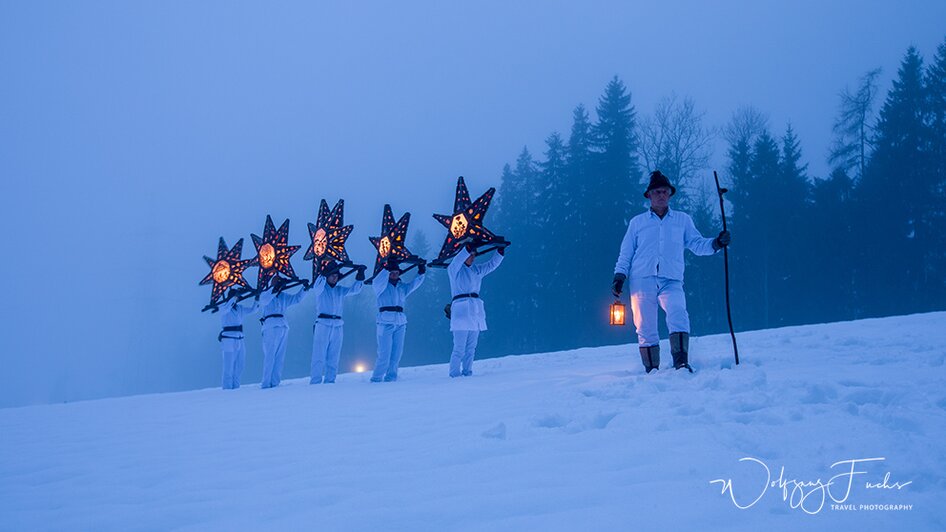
618,313
267,255
384,248
466,221
360,368
221,271
273,253
327,237
226,271
390,243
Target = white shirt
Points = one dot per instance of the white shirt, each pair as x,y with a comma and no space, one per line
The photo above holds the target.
389,295
654,247
469,313
277,304
329,300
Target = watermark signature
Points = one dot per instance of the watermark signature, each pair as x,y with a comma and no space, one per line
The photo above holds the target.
811,496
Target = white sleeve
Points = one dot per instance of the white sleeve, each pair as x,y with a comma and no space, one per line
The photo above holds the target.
694,240
458,261
628,247
487,267
319,285
354,289
415,284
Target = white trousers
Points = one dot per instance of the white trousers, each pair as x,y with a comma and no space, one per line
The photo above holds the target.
390,349
274,354
233,359
464,349
649,292
326,348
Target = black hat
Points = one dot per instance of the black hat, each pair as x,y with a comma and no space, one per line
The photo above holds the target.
329,268
658,180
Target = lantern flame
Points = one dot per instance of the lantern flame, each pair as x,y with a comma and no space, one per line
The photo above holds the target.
618,313
267,256
459,225
384,247
221,271
319,242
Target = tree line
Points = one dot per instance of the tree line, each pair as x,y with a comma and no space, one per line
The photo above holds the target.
866,240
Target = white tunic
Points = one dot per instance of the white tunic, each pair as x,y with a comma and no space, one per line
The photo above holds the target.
653,247
278,304
469,314
328,300
231,315
389,295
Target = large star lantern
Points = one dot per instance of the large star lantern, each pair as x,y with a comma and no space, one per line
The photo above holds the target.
273,252
466,221
390,244
227,270
327,237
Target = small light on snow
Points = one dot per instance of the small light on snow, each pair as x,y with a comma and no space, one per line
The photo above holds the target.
359,368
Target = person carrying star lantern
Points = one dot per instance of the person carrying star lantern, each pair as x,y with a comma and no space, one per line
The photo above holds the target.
651,262
328,331
467,311
391,294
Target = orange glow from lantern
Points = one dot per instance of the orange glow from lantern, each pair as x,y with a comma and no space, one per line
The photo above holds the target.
359,368
459,225
319,243
384,247
618,313
267,256
221,271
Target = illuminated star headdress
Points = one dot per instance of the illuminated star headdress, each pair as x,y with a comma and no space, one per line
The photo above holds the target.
390,244
466,221
273,252
227,270
327,237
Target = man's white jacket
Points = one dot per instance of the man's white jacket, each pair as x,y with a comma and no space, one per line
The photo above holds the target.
469,313
654,247
328,300
389,295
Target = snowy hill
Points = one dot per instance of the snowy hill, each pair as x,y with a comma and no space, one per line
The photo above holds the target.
575,440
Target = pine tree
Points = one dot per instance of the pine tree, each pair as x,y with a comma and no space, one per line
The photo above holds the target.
936,117
895,197
853,127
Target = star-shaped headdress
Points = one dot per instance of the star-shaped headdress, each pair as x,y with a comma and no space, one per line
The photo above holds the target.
390,244
273,252
466,221
327,237
227,270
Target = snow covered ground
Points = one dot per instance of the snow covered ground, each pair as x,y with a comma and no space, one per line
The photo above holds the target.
576,440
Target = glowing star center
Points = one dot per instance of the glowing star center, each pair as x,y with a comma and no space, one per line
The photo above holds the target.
267,256
319,242
384,247
458,226
221,271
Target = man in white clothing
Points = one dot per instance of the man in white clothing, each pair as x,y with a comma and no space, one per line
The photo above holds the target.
391,294
467,312
328,330
275,329
231,339
651,259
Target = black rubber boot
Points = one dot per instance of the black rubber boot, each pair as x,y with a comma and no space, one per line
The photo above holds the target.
679,350
650,356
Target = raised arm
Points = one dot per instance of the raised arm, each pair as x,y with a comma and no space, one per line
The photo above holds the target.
415,284
489,266
354,289
319,285
296,298
458,261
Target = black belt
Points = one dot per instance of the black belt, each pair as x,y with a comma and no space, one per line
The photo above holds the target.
329,317
461,296
391,309
230,328
264,318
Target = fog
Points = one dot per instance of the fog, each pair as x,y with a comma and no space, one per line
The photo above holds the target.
133,135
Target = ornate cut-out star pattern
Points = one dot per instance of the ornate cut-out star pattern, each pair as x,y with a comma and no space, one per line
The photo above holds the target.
466,221
227,270
327,237
273,253
390,244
